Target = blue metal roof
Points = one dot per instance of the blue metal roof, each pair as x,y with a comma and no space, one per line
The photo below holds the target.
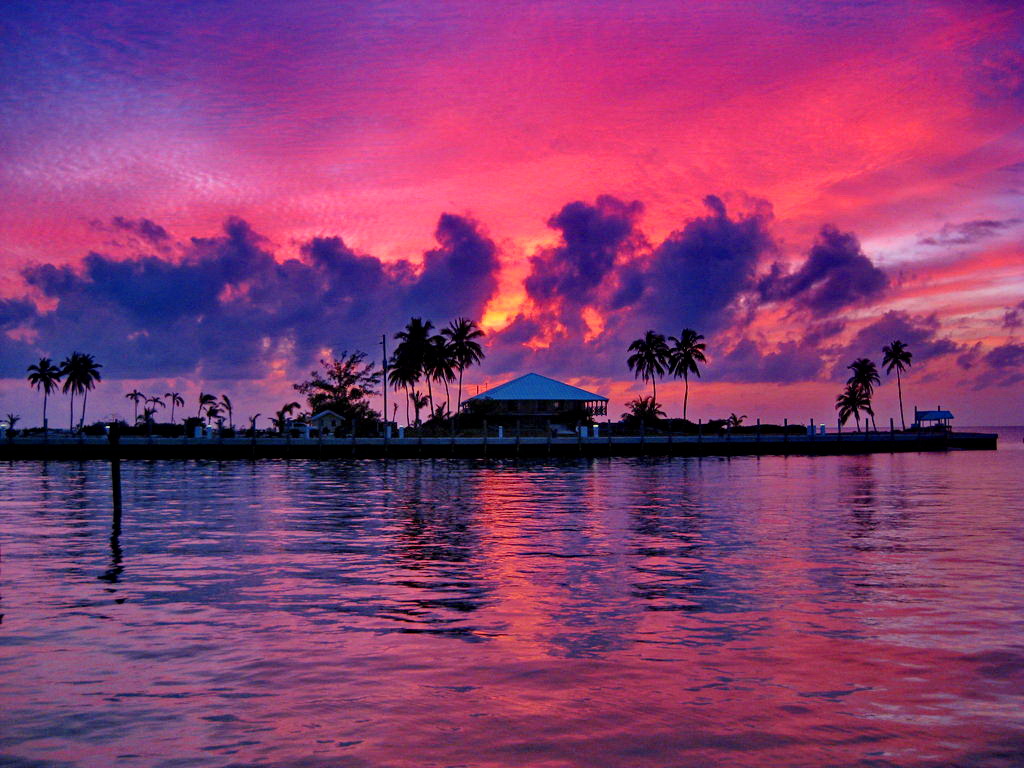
533,386
932,415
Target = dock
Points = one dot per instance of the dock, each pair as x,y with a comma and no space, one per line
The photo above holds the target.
83,448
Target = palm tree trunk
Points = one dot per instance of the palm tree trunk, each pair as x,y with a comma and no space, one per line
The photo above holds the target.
899,387
430,396
46,429
407,423
654,384
447,397
172,411
686,393
457,410
85,400
71,414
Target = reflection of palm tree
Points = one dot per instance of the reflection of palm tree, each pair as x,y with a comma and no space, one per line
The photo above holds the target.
44,375
174,398
463,348
684,355
649,359
851,402
897,357
135,396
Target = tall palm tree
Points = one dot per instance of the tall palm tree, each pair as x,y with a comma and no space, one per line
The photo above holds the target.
897,357
46,376
135,396
419,402
463,348
205,401
851,402
403,375
174,398
650,358
213,414
865,377
439,365
81,372
225,403
683,358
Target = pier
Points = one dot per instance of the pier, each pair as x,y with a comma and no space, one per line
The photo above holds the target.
243,448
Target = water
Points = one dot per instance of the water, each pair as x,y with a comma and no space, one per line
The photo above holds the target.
851,610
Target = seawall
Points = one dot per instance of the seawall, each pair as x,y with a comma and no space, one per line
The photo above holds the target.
240,448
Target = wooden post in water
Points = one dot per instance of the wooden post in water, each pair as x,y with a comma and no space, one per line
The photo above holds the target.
759,429
785,430
700,430
114,437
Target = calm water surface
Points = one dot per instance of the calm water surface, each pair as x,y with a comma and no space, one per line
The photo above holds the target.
862,610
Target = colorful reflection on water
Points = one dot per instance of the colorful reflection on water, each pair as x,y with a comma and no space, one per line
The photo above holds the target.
863,610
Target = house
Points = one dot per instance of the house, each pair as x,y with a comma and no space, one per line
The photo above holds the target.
326,421
932,419
538,399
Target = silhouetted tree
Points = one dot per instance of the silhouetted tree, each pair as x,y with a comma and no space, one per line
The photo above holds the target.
136,397
851,402
684,354
343,385
650,359
463,347
46,376
897,357
174,398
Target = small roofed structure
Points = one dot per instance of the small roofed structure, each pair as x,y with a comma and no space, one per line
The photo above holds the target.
326,421
932,419
535,398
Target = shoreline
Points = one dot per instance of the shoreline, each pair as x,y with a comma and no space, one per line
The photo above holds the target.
241,448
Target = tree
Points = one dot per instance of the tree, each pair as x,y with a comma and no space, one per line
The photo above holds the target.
174,398
46,376
281,418
135,396
439,365
864,377
213,414
344,385
683,356
402,375
735,421
650,359
154,402
412,350
225,403
897,357
419,402
12,419
851,402
463,347
81,372
205,401
643,410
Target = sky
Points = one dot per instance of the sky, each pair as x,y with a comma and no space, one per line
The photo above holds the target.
214,196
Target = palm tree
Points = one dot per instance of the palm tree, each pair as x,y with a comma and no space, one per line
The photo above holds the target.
439,365
281,417
225,403
135,396
851,402
735,421
463,348
44,375
213,414
402,375
419,402
896,357
12,419
650,358
643,410
174,398
205,400
81,372
154,402
683,356
864,377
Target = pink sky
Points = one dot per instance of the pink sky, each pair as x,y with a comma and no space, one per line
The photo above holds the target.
901,124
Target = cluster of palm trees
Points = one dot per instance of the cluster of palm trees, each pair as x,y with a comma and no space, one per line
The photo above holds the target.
435,358
855,399
76,375
153,402
654,356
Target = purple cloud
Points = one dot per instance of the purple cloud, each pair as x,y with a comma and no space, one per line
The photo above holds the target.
836,274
